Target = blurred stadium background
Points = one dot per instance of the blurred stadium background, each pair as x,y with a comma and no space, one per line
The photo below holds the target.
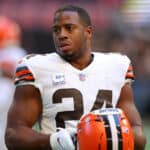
119,26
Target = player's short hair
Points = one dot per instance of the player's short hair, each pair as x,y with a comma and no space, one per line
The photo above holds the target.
83,14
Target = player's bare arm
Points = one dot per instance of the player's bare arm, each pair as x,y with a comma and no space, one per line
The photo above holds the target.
126,102
23,114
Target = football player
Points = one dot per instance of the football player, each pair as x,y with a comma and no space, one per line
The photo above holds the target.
10,48
10,53
57,89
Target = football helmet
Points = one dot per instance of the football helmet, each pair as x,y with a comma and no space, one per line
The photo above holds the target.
9,31
105,129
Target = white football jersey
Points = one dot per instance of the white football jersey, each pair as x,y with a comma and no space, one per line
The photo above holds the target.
68,93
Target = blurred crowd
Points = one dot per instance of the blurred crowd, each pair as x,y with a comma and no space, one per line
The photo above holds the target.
117,28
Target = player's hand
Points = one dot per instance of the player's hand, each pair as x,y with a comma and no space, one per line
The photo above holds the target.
63,139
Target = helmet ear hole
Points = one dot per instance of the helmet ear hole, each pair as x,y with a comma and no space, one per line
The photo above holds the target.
107,129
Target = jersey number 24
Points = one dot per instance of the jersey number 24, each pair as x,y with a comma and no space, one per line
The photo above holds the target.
103,97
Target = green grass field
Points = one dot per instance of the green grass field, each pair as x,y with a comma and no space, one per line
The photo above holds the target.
146,123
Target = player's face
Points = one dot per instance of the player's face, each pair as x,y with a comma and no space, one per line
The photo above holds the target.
70,35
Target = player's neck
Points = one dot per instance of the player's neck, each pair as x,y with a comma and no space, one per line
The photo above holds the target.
83,62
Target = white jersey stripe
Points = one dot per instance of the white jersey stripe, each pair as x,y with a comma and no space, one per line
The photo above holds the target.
113,132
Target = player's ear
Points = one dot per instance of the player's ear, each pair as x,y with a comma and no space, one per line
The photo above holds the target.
89,31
